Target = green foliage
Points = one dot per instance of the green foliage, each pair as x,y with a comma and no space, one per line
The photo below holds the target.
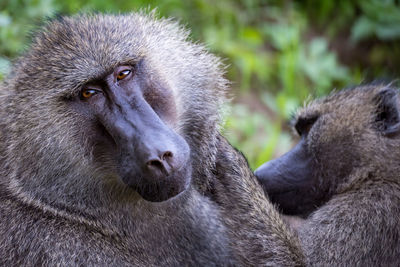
278,52
380,18
258,137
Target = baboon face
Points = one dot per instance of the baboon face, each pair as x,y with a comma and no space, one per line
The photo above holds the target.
337,135
99,98
130,119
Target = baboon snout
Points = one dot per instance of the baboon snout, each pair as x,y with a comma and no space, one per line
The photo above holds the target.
289,180
156,164
150,156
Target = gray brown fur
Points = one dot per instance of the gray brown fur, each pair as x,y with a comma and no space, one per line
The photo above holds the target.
260,236
294,222
359,225
56,205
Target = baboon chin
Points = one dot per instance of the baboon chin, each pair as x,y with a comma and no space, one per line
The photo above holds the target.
343,177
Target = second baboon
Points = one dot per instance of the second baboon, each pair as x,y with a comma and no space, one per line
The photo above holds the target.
344,178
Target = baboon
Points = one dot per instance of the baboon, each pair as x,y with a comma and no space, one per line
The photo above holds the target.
343,177
109,145
105,119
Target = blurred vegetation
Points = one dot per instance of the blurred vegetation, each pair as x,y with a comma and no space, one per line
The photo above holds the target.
279,52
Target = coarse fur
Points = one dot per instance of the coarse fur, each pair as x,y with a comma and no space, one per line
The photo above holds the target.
61,203
359,225
353,139
260,236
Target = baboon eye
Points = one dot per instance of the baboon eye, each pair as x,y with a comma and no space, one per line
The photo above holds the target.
88,93
123,74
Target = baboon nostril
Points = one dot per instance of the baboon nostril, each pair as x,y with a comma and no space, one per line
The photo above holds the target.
155,163
156,166
167,155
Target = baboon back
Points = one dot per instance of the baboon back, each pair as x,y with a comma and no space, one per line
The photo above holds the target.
343,177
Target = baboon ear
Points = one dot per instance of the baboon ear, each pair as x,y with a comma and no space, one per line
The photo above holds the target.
388,112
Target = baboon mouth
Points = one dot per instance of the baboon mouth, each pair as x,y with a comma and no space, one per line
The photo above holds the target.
162,191
158,189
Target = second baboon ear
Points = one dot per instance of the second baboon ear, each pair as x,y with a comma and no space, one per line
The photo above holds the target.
388,112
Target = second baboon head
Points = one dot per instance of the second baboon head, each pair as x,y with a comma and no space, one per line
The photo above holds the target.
343,137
